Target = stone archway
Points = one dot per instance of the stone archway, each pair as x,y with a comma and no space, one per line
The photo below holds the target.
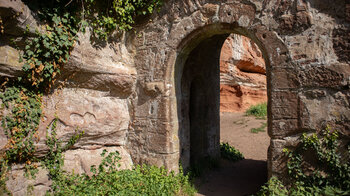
304,42
163,46
197,85
212,36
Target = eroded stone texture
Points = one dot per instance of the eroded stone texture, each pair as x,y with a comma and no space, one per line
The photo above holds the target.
103,118
109,68
81,160
17,18
9,62
242,75
20,185
129,94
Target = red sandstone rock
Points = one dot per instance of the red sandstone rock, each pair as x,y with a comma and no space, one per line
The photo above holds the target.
242,75
239,98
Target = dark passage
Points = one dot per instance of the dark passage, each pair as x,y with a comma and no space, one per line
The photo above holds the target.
200,104
199,124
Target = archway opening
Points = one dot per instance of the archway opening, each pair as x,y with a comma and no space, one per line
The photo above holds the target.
243,97
197,80
243,116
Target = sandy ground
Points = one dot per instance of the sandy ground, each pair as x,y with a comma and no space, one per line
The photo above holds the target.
244,177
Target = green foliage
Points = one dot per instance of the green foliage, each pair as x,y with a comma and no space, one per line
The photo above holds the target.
330,164
259,111
21,124
3,177
318,166
201,166
259,129
48,51
107,180
54,160
43,55
230,153
117,14
273,187
20,127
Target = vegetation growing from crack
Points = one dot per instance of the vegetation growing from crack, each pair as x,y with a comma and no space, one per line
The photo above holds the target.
319,165
44,55
117,15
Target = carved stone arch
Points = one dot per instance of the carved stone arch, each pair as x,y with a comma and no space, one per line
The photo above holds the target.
167,50
274,53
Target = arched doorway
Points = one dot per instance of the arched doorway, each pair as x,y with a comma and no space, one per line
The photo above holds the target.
197,83
243,98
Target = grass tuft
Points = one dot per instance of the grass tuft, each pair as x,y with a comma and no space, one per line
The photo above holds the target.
259,111
259,129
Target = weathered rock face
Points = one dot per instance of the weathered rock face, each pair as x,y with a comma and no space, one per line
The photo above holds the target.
92,95
242,74
18,184
134,94
16,17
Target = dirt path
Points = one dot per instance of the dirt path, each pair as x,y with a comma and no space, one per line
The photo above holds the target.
244,177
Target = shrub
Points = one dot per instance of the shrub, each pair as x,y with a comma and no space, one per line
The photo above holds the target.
274,187
107,180
329,165
259,111
327,172
230,153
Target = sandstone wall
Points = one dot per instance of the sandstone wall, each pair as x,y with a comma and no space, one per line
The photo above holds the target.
127,95
92,95
242,74
303,43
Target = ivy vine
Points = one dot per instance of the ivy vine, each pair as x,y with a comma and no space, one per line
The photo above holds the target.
47,52
118,14
328,167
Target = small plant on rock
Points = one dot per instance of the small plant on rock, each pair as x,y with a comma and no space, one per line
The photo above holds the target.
329,164
319,165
